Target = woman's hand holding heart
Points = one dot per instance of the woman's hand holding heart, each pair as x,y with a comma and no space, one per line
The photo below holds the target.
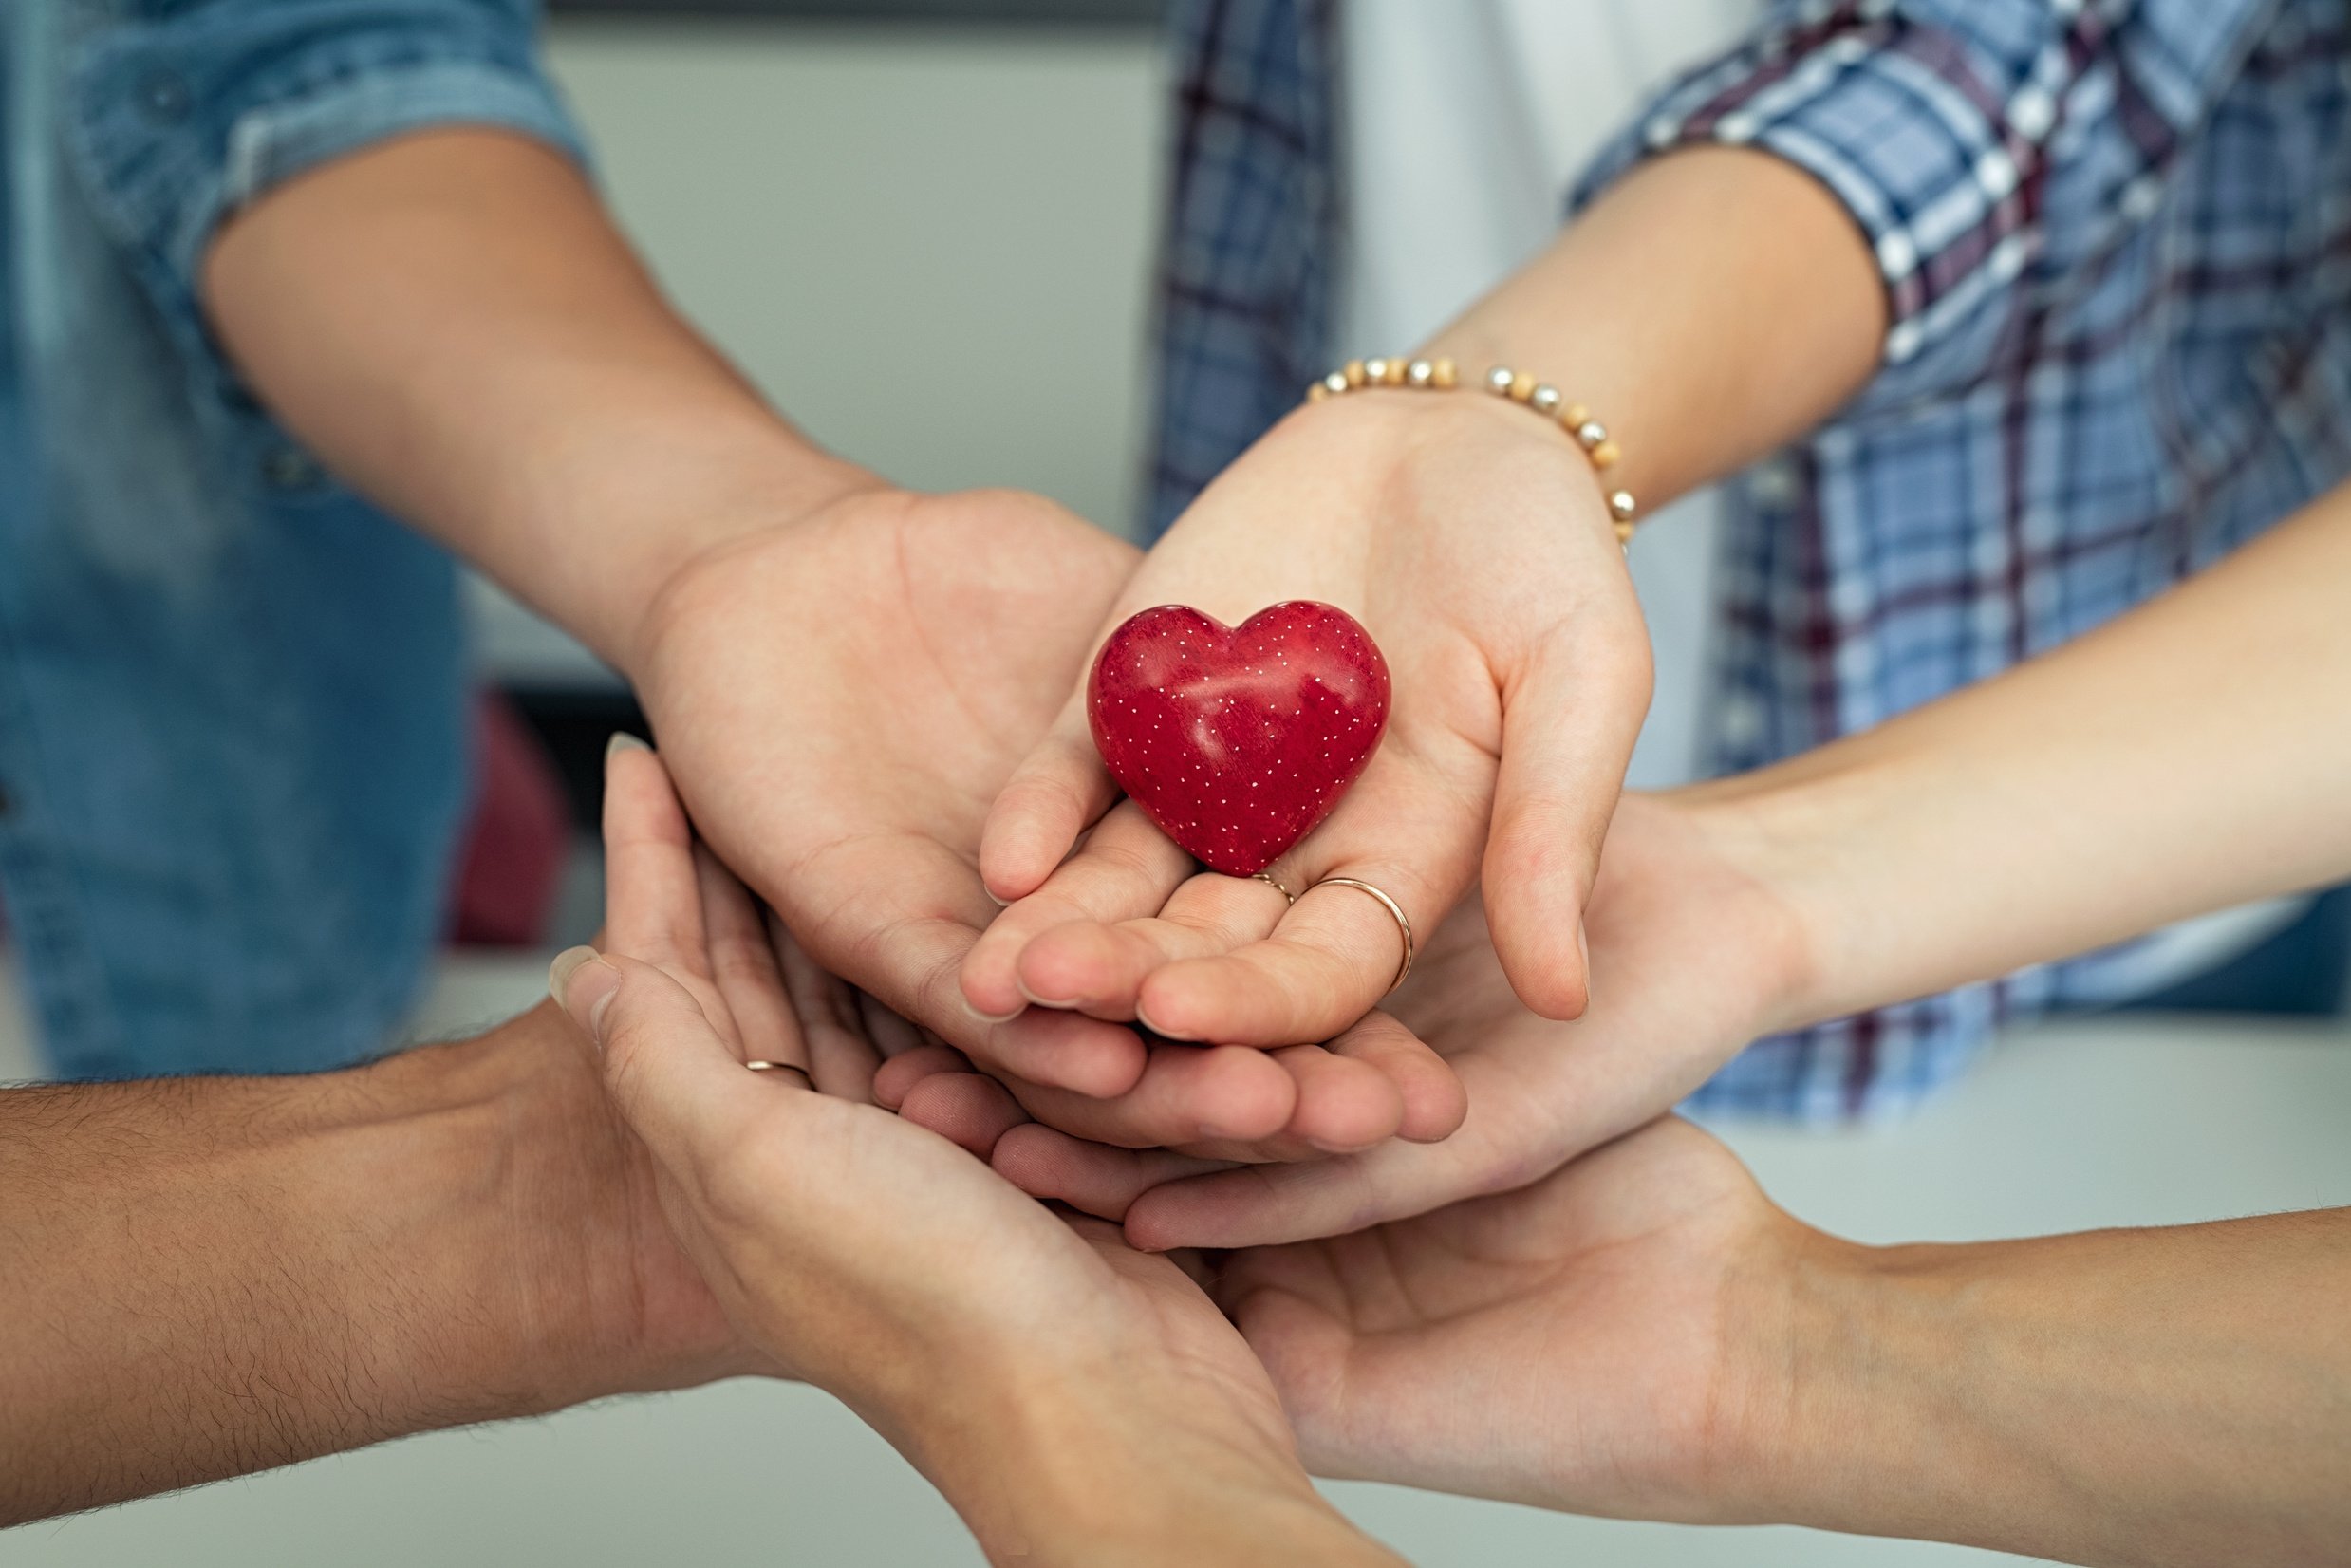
1698,945
1474,544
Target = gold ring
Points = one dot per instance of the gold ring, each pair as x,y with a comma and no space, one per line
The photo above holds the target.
806,1082
1404,925
1267,878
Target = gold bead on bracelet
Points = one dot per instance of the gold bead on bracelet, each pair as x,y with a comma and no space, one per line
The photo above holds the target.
1442,375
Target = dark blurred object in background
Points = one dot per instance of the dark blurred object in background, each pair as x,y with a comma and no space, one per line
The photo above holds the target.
518,840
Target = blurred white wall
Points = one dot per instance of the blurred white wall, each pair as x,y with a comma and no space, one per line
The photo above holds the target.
929,247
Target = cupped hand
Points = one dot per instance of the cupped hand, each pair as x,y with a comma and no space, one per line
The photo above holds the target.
1600,1342
841,695
1474,544
861,1252
1695,951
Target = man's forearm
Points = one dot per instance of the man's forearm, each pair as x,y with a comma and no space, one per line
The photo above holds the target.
451,320
203,1278
1716,305
2193,754
2127,1397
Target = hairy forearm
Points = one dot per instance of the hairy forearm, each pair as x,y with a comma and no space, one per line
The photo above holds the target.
2191,755
1714,306
2178,1396
453,324
203,1278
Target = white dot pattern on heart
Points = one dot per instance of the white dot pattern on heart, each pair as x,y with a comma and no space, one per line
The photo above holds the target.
1187,711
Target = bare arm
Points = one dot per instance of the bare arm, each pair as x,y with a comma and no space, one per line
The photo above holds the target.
2164,1396
207,1277
2193,753
1714,306
2178,1396
451,320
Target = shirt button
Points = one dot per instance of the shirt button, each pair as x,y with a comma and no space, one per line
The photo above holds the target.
288,469
164,96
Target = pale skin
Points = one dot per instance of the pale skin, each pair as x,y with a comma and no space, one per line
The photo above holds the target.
452,323
843,673
2061,806
1643,1334
1472,539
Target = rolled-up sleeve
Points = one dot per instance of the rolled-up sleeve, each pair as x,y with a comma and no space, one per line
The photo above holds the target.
1944,128
177,116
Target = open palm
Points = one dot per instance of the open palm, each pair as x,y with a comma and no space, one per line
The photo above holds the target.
839,699
1474,545
1573,1345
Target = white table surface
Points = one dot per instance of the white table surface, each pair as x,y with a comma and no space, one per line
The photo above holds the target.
2126,1121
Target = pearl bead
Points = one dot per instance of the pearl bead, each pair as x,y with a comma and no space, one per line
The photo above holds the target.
1545,399
1499,379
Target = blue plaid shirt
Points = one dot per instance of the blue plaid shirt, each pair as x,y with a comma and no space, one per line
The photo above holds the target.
2116,239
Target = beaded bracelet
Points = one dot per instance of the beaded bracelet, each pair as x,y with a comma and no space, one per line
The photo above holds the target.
1544,399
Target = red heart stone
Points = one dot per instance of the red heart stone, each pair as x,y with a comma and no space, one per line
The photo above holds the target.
1238,740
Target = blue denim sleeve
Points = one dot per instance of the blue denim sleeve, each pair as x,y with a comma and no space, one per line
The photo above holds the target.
1976,143
178,114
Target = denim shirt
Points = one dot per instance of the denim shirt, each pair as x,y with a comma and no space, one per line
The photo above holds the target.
232,694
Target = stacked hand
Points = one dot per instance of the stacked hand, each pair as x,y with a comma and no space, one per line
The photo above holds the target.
1046,1376
1518,694
841,695
1052,1380
1472,542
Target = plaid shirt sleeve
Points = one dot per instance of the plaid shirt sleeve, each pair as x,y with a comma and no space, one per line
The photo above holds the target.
1941,125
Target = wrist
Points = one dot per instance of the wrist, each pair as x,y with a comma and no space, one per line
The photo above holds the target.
1885,1355
1058,1468
1826,835
1796,1422
1430,448
511,1255
763,481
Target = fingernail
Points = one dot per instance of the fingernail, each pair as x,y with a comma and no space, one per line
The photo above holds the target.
583,996
1145,1020
623,741
991,1018
1045,1001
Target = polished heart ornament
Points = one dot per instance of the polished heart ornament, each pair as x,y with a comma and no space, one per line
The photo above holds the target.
1237,740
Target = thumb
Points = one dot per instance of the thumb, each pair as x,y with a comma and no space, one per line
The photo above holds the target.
1568,730
1057,794
670,1075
